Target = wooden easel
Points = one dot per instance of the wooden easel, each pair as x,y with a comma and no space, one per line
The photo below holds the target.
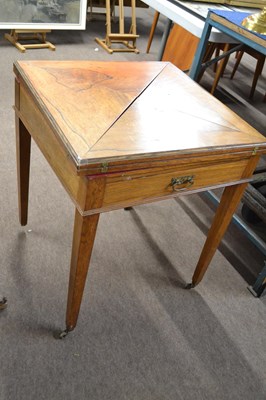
126,39
39,35
99,5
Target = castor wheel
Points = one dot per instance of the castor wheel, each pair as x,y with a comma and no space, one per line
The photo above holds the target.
189,286
61,334
3,303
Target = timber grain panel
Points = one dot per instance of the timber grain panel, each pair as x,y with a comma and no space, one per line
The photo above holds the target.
142,186
49,144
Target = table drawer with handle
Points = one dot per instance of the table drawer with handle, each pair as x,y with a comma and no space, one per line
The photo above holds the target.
138,186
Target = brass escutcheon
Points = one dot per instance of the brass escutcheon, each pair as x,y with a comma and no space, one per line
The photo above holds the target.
183,180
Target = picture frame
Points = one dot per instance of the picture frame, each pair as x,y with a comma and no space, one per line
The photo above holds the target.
43,14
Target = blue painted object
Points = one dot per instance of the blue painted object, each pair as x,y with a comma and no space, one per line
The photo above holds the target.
257,42
237,32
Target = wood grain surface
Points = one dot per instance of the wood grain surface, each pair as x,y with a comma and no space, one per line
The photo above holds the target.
108,111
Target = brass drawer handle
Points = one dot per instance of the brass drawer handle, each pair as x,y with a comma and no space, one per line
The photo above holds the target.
183,180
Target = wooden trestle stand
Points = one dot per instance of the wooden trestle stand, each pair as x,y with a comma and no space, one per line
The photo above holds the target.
38,35
126,39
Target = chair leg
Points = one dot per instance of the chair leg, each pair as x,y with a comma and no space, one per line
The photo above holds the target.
217,53
208,55
154,24
238,59
209,52
220,69
257,73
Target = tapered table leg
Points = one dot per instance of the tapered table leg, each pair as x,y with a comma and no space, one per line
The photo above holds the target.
23,144
228,204
83,239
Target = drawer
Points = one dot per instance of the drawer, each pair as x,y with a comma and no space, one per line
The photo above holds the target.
144,185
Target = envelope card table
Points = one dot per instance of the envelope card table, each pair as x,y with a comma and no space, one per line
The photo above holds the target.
119,134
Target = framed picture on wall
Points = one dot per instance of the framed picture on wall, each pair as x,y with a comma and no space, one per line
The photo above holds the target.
43,14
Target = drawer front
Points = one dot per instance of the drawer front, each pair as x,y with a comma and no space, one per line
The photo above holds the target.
145,185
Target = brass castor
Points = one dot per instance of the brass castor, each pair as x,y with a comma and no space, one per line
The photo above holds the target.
62,334
3,303
190,286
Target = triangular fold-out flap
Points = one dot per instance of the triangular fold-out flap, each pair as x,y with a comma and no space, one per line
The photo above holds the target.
86,97
174,114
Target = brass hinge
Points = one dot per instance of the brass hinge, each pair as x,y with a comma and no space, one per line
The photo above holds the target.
104,167
254,152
